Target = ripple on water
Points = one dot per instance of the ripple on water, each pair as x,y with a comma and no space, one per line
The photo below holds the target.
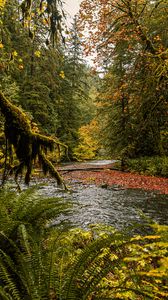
117,207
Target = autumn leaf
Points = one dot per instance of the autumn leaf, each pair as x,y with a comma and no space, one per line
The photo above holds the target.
21,67
37,53
2,3
14,53
62,75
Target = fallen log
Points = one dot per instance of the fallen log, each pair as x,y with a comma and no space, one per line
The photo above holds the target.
93,169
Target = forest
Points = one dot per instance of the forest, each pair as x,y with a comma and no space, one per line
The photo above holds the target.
95,89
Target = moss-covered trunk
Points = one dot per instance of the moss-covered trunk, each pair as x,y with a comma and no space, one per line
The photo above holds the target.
26,144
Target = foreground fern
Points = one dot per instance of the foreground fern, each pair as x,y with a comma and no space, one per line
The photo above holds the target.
24,259
110,265
29,208
40,262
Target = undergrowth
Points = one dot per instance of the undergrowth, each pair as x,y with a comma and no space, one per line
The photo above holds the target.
39,261
154,166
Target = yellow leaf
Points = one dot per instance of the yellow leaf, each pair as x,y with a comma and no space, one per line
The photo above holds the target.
2,3
62,75
37,53
14,53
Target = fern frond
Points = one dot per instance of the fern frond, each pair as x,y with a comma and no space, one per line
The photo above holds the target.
24,258
89,260
8,282
28,207
4,295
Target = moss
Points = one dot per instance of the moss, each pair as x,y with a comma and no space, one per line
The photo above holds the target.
48,167
27,144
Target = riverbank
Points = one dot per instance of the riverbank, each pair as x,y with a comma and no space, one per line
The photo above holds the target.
107,177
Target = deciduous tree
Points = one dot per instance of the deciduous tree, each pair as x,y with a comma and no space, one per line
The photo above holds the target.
129,38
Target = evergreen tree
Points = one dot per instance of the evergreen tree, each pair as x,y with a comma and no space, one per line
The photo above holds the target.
75,101
20,63
130,38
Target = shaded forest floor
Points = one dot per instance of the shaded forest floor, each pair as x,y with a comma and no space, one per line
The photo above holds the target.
107,177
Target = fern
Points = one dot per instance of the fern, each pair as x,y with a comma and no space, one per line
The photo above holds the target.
24,258
39,262
4,295
87,271
29,208
110,267
6,269
20,274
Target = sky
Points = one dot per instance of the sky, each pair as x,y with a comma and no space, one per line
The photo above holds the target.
72,6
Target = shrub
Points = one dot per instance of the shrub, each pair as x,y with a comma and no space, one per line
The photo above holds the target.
39,262
154,166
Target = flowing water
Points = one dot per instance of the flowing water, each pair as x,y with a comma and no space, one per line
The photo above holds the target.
111,206
114,206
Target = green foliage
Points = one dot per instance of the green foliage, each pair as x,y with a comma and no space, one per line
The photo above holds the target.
28,208
106,264
10,88
25,143
76,107
38,261
25,271
51,84
154,166
133,96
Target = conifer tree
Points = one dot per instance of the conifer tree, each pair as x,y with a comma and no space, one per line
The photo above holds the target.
20,138
131,35
75,87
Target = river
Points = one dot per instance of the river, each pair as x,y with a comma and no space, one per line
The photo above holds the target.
111,206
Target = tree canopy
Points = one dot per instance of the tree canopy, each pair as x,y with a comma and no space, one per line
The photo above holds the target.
119,103
49,82
130,39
